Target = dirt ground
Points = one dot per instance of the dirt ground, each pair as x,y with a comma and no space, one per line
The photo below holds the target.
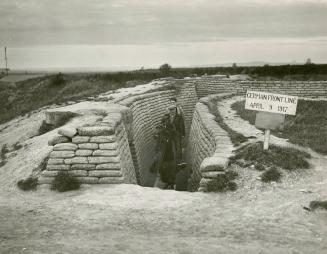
134,219
257,218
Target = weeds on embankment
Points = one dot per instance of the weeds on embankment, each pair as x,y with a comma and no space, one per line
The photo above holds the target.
31,182
3,151
286,158
65,182
270,160
27,184
271,175
223,182
24,97
314,205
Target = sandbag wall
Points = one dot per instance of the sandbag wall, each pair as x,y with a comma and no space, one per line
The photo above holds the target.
209,145
147,111
187,98
96,154
214,85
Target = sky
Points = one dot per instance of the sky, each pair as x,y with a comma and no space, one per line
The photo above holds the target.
111,34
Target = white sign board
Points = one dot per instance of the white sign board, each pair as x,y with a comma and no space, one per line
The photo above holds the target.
270,102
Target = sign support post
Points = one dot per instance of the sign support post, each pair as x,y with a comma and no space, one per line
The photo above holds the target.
266,140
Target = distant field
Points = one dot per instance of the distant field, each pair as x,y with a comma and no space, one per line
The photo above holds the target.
25,96
307,128
21,93
20,77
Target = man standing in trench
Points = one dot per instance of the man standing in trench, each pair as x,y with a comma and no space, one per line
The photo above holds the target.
180,125
171,133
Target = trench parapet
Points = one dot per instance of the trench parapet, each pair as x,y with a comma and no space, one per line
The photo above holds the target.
95,153
210,146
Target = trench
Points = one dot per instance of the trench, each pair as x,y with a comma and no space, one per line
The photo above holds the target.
204,139
133,117
119,146
147,111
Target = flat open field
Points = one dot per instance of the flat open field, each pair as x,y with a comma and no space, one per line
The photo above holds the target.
20,77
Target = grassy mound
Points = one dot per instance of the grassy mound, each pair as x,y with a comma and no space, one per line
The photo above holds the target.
65,182
260,167
27,184
271,175
3,151
26,96
307,128
57,80
318,205
286,158
223,183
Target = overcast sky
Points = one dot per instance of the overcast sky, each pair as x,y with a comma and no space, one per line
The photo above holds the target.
135,33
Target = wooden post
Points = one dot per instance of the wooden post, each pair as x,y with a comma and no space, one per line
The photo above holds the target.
6,59
266,140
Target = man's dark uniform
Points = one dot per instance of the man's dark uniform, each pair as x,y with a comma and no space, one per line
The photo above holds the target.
171,132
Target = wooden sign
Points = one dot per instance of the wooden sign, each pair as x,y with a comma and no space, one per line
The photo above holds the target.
270,102
269,121
272,110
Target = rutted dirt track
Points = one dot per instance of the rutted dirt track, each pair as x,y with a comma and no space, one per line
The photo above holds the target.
257,218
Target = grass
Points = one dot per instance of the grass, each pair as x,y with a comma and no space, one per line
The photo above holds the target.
65,182
223,182
271,175
31,182
23,97
28,184
17,146
308,128
4,150
286,158
318,205
43,165
26,96
57,80
260,167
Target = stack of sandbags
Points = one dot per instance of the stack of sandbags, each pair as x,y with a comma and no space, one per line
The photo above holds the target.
89,153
